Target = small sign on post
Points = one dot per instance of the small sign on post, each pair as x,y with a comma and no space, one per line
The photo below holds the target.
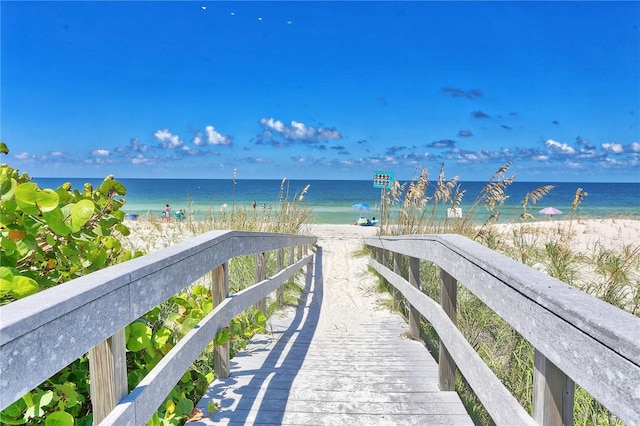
382,180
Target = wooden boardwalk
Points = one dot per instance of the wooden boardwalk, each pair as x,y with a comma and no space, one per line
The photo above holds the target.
365,373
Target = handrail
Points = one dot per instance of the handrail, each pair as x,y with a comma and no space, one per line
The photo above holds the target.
43,333
591,342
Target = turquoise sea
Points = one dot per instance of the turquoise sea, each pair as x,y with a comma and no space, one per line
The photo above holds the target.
332,200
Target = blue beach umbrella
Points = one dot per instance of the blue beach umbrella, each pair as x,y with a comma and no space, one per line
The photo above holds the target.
363,207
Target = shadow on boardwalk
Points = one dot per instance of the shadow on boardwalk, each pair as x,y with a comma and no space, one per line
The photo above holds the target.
317,369
261,369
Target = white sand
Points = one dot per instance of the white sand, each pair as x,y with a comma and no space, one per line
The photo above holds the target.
350,287
346,277
349,290
581,235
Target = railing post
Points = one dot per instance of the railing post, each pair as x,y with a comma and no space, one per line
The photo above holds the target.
385,258
219,292
552,393
299,252
279,267
446,366
414,280
397,269
261,275
292,255
108,373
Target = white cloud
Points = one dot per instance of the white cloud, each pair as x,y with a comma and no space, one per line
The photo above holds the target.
136,146
100,152
21,155
559,147
540,157
612,147
56,154
168,140
190,151
212,138
297,131
215,138
634,147
197,140
141,159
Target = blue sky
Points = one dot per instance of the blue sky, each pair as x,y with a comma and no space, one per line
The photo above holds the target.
322,90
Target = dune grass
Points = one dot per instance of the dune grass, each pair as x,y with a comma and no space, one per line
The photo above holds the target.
287,215
610,274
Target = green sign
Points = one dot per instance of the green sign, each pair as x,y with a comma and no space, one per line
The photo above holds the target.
382,180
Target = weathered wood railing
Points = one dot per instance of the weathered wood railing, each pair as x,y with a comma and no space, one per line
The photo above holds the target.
577,337
43,333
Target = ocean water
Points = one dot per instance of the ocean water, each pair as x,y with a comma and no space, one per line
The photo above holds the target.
332,200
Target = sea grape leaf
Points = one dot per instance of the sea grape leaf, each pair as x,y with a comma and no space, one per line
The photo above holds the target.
23,287
55,221
81,212
6,274
46,398
161,337
170,408
223,336
260,318
69,394
123,229
188,324
8,189
59,418
110,186
3,148
26,198
184,407
87,190
139,336
47,199
236,328
199,290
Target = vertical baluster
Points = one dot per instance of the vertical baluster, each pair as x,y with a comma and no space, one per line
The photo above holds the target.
108,373
552,393
292,255
447,367
261,275
219,292
414,280
397,269
279,267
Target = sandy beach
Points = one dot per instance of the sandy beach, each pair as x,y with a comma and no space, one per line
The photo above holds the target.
581,235
349,281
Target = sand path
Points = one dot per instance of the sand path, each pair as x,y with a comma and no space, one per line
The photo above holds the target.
348,286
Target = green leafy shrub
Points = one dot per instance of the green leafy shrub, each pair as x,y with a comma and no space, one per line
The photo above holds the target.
51,236
48,237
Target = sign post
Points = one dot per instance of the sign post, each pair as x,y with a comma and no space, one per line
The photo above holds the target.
383,180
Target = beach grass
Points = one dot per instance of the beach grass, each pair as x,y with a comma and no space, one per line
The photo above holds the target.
554,247
287,215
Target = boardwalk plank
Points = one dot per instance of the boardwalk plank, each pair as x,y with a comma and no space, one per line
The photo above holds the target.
364,373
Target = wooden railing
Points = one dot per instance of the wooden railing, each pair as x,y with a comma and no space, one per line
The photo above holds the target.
43,333
578,338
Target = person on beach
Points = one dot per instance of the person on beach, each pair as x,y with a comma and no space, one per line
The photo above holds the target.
167,213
